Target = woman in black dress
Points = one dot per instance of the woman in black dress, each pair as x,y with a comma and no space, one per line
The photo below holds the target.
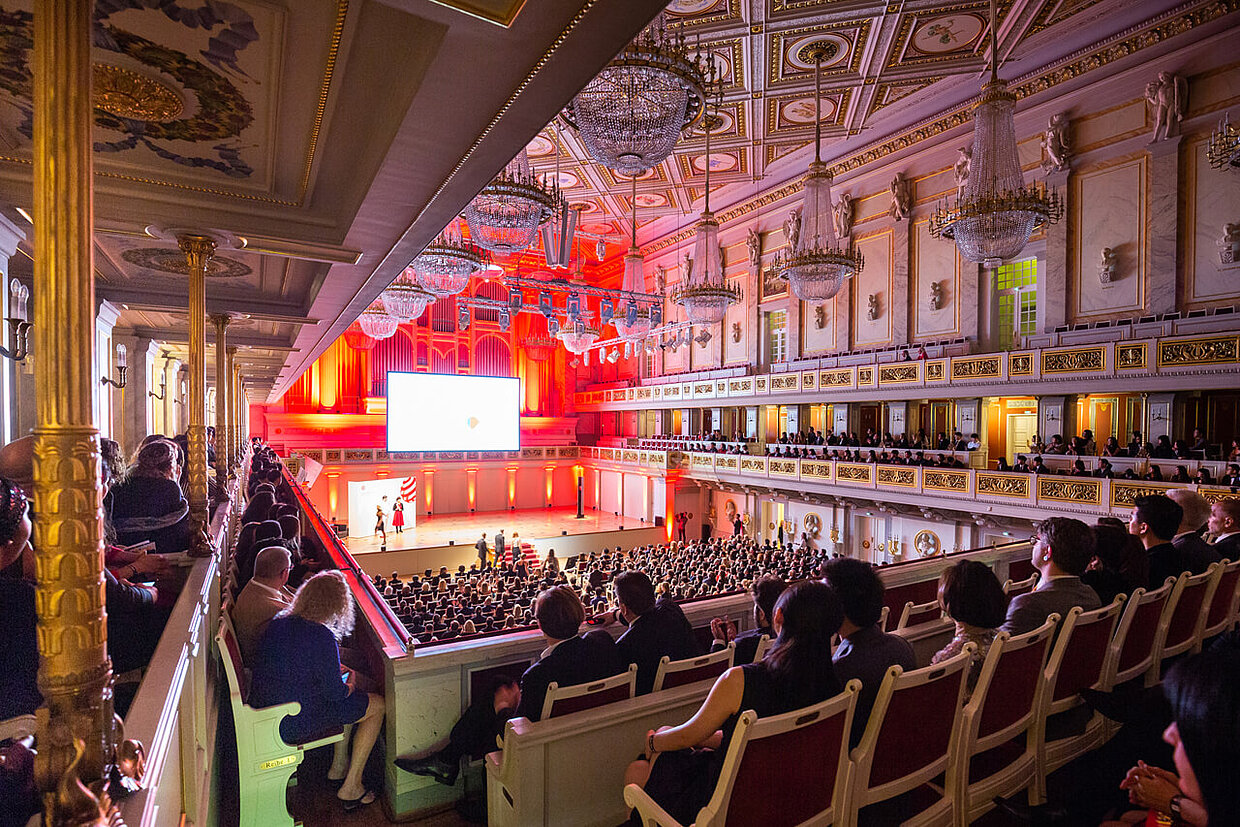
682,764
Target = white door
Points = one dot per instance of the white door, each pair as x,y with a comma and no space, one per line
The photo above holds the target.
1020,429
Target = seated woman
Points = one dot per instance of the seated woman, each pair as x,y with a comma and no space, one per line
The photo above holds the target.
682,764
149,505
1205,736
971,595
298,659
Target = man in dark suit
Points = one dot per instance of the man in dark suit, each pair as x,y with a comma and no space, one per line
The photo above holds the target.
655,628
568,660
1195,553
1062,548
765,591
1225,526
1155,520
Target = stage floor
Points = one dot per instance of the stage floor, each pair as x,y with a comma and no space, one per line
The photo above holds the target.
465,529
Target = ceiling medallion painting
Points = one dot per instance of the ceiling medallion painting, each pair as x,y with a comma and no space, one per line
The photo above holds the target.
950,33
171,260
169,79
843,44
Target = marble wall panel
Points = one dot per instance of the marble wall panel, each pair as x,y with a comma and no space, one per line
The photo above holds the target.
815,339
935,261
1111,213
874,279
1213,202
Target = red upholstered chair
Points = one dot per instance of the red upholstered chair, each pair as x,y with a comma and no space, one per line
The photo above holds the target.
691,670
1014,587
1180,627
999,733
803,752
1224,604
915,614
568,699
1136,637
911,739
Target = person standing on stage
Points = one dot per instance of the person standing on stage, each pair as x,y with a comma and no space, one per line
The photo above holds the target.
379,527
481,545
398,516
499,547
738,527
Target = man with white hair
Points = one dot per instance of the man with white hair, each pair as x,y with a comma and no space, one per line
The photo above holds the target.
1195,553
263,598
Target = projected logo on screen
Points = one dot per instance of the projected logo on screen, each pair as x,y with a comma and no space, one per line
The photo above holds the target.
444,412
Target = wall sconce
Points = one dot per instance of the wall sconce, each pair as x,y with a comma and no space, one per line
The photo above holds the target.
19,328
122,369
163,389
184,393
1052,415
1159,416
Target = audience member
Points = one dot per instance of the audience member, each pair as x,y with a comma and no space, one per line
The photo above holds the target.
149,504
656,628
1062,548
298,659
1224,524
1104,574
1155,520
264,597
765,591
972,596
1195,553
681,764
865,652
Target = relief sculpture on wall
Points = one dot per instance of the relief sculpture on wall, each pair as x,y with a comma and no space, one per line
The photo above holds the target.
1167,96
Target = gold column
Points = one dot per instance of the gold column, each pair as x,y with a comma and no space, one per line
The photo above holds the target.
229,437
75,675
198,252
223,397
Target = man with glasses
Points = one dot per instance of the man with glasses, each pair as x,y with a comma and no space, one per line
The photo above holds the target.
1062,548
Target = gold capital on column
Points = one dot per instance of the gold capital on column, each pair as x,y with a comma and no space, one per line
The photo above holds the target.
198,252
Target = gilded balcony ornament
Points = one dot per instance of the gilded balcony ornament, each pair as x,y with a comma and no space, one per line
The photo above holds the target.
1131,356
852,472
1020,364
903,477
1072,491
835,378
1084,360
934,371
945,480
1002,485
982,367
865,376
1198,352
897,374
1126,493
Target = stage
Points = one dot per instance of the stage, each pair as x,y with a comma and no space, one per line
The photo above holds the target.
448,540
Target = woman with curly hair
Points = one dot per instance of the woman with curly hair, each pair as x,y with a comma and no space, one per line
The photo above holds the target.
298,659
150,505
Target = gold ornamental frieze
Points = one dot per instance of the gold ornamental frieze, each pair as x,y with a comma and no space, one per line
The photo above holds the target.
332,455
755,464
1205,351
901,477
782,467
671,392
941,480
785,382
815,469
1077,360
1020,364
706,389
865,376
852,472
935,371
898,374
841,377
1126,493
629,456
761,384
686,390
809,380
701,460
1004,485
358,456
1073,490
978,367
721,387
1129,357
630,394
644,393
725,463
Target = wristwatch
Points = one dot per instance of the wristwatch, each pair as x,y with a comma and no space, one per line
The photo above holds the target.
1174,805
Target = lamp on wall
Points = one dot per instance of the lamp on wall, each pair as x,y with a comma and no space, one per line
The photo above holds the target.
163,389
19,327
122,369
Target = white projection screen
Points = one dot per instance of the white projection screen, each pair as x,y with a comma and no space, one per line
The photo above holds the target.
445,412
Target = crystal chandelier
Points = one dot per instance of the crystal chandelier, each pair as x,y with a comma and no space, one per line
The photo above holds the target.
404,298
1224,147
995,214
632,113
357,339
634,282
377,323
818,267
702,292
445,266
505,216
539,344
578,338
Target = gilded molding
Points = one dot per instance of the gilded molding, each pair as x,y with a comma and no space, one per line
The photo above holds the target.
902,477
942,480
1128,357
865,376
782,467
1126,493
1071,490
753,464
978,367
785,382
1020,364
1079,360
198,252
1003,485
815,469
840,377
935,371
898,374
1204,351
852,472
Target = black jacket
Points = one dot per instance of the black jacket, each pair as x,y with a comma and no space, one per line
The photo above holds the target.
664,630
580,659
1196,554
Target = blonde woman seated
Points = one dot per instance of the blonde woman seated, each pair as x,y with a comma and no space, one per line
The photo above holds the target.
298,659
970,594
682,764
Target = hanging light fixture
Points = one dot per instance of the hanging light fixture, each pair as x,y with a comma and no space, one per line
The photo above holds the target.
539,345
505,216
819,266
703,293
578,337
994,216
557,234
1224,148
404,298
357,339
636,322
445,266
377,323
632,113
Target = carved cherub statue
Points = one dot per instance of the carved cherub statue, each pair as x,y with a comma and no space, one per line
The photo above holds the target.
963,162
1229,244
936,295
736,332
1168,95
792,229
686,268
660,278
1056,144
843,216
753,241
901,198
1108,265
820,316
872,312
